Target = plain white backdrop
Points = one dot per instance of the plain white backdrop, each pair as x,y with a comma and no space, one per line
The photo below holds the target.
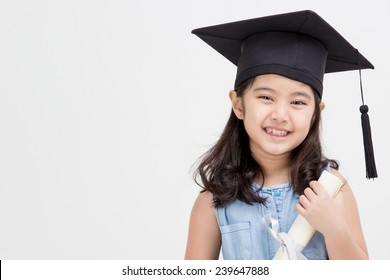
105,105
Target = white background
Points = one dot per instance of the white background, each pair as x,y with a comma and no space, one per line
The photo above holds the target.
105,105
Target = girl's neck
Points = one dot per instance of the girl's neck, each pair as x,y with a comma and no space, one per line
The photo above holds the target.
276,171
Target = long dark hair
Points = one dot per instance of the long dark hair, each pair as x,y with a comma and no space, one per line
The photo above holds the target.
228,169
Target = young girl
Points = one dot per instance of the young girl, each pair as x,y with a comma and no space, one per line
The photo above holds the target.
269,157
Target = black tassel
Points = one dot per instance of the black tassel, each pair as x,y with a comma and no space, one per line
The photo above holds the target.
367,140
368,146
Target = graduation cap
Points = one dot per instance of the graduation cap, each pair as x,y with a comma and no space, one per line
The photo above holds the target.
299,45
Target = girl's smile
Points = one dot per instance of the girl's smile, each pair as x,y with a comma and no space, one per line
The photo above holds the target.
277,132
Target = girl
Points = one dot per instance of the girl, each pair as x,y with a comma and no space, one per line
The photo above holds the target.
268,158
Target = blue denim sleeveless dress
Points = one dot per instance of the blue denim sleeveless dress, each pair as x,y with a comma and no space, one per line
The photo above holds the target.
244,235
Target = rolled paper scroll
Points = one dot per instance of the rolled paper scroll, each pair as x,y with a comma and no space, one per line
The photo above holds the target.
301,231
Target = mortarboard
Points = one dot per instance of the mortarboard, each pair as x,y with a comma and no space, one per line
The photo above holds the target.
299,45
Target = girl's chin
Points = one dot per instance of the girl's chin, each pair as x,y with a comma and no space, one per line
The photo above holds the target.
273,152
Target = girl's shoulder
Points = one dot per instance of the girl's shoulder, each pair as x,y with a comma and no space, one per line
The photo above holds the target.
346,199
205,199
204,238
203,209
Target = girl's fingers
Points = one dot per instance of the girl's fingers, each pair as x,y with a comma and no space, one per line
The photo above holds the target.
300,209
309,193
304,201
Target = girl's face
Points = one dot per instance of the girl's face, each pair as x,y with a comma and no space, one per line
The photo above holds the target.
277,114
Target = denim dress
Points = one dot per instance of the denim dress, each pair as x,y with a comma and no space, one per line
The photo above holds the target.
245,237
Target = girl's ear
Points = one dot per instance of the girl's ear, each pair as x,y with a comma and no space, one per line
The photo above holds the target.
237,105
322,106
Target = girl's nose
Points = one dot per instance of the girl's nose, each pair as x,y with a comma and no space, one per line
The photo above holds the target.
279,113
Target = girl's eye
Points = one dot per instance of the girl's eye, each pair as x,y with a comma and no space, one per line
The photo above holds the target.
298,102
264,97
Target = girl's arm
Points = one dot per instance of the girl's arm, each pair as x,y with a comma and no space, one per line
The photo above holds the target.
204,237
337,219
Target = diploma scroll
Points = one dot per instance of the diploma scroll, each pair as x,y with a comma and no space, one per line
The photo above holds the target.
301,231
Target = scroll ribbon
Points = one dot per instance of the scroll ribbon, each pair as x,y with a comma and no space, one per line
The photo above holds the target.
291,249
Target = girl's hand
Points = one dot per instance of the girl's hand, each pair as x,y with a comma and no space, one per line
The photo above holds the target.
322,211
336,218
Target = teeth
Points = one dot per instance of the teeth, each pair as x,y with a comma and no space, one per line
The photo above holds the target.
276,132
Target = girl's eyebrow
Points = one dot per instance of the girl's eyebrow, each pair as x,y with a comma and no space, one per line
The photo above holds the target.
263,88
